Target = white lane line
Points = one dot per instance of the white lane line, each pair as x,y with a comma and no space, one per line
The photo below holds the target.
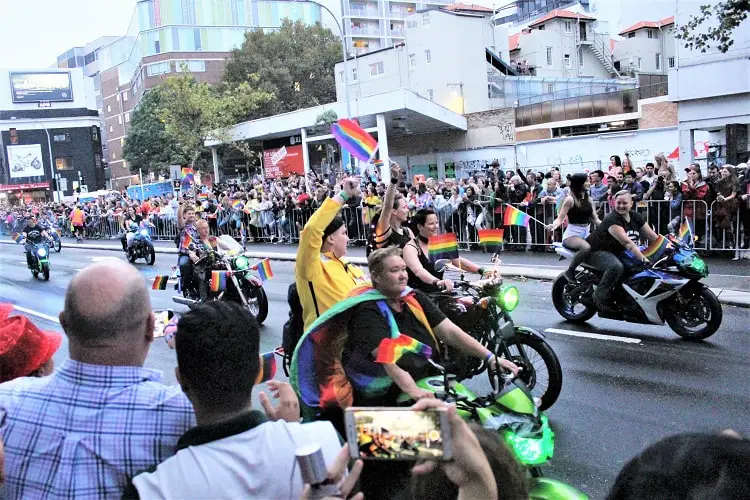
597,336
37,314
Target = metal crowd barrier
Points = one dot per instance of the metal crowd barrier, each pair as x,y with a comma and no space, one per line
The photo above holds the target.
272,226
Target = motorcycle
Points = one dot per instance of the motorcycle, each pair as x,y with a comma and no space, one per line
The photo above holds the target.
53,240
39,257
669,290
141,247
510,410
482,309
241,286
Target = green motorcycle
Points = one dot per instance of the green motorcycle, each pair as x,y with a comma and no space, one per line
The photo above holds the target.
39,257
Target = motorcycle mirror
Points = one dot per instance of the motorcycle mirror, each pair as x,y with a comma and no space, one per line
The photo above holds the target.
441,264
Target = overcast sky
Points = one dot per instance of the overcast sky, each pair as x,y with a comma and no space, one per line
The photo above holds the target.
34,32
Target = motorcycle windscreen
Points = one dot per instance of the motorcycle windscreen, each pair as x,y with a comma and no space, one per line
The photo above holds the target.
234,246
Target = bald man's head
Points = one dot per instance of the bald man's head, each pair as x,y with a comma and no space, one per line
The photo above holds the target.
106,302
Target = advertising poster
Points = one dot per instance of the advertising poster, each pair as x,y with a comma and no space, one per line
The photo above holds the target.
39,87
283,161
25,161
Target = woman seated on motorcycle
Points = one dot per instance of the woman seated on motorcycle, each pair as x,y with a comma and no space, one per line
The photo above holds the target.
422,273
128,219
415,316
579,210
202,255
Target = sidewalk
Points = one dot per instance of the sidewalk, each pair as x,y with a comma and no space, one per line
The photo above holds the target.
729,280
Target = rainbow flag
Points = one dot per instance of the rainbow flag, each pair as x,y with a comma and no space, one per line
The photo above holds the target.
187,240
264,269
686,233
160,283
514,217
267,369
378,163
391,350
202,196
17,237
655,250
187,174
218,281
443,246
490,237
354,139
238,205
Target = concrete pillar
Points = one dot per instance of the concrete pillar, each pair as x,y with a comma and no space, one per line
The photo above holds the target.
215,159
687,149
383,148
305,152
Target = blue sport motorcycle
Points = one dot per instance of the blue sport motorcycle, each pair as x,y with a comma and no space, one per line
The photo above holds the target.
141,247
668,291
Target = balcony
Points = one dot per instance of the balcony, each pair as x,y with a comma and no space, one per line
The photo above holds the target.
355,11
399,14
366,31
398,32
587,106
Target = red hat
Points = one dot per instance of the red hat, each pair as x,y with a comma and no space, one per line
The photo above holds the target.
24,348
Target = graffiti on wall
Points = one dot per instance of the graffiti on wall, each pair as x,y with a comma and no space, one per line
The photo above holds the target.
465,168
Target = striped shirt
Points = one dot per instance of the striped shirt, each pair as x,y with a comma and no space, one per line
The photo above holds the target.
86,430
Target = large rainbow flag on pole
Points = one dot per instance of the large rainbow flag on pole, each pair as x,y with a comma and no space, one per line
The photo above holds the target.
514,217
354,139
443,246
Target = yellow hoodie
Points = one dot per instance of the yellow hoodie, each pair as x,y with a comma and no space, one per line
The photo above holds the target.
322,279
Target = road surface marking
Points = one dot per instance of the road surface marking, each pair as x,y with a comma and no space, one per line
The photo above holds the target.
101,259
38,314
598,336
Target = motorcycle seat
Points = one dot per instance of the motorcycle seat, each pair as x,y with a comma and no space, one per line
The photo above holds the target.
563,251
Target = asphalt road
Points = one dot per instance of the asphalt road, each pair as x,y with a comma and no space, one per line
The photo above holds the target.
617,396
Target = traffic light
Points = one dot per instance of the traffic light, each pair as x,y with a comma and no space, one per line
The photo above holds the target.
54,185
176,184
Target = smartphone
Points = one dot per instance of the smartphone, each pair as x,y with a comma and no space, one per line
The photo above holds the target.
398,434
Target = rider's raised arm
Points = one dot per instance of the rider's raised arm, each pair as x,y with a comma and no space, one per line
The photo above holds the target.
311,239
384,223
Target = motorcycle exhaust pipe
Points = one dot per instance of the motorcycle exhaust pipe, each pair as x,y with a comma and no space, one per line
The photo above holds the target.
185,301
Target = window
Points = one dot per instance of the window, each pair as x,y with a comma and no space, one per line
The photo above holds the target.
568,27
550,88
89,58
125,96
377,69
430,94
640,61
670,62
651,33
428,56
341,75
64,163
631,34
127,117
111,129
354,74
98,160
157,47
425,19
566,59
158,69
114,156
109,108
541,28
119,119
192,66
658,61
95,133
61,138
549,56
118,97
580,57
412,61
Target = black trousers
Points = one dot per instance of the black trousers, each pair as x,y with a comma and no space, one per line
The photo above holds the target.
613,270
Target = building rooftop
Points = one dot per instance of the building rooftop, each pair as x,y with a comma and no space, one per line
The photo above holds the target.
648,24
561,13
468,7
513,41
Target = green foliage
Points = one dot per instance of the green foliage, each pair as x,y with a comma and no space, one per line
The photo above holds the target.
729,13
295,64
147,145
328,117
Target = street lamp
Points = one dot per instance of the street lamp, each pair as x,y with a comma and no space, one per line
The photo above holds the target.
49,150
343,51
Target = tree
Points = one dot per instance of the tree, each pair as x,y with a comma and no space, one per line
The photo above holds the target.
729,13
295,63
194,111
147,146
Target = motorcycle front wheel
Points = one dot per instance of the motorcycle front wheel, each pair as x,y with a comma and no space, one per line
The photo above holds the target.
541,371
45,271
150,256
695,314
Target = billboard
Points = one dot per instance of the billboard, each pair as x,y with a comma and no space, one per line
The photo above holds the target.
40,87
25,161
280,162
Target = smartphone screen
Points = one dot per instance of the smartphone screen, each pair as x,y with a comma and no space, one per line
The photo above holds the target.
398,434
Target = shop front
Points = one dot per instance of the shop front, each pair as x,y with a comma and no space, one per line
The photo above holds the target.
23,194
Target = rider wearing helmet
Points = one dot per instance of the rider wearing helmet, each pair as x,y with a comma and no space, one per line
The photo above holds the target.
34,234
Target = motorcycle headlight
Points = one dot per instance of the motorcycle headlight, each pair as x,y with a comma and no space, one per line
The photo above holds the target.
241,263
41,252
144,232
508,298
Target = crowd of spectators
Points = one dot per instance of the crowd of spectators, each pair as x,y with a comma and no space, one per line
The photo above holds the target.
274,210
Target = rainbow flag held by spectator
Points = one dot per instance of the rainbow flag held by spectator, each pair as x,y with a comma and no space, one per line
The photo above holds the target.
514,217
354,139
391,350
238,205
443,246
160,283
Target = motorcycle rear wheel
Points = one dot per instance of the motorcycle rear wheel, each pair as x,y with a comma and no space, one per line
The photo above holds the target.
701,304
541,372
564,305
57,245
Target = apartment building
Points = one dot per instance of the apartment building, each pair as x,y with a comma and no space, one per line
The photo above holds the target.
521,11
712,92
563,44
161,37
647,47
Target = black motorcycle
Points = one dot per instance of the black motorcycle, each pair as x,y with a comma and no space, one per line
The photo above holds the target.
38,256
141,247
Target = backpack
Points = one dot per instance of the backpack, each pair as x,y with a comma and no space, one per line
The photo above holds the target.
293,328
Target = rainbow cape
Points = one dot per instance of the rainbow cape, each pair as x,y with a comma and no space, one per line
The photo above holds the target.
391,350
490,237
514,217
443,246
354,139
318,374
